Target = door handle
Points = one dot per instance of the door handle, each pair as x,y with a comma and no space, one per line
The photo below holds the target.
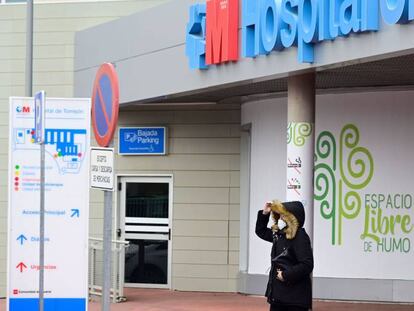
169,234
118,233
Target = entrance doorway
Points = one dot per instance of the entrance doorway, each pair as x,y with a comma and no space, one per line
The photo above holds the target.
145,221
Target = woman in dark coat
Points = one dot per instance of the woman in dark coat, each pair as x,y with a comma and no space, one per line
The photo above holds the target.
289,287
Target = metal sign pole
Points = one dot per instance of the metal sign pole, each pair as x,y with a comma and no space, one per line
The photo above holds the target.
107,246
105,102
39,106
29,91
42,227
29,48
102,177
107,250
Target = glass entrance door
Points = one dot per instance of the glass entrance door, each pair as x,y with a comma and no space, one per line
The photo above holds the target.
145,222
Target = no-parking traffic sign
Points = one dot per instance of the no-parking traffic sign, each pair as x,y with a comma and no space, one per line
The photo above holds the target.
105,104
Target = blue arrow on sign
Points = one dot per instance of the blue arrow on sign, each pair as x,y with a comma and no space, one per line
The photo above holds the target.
75,213
22,238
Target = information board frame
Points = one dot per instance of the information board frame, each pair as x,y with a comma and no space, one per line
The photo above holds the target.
25,297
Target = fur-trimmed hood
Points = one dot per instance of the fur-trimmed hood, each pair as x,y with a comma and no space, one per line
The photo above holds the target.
294,215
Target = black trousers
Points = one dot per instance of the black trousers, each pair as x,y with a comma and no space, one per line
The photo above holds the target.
286,308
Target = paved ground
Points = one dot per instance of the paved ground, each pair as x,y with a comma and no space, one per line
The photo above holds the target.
164,300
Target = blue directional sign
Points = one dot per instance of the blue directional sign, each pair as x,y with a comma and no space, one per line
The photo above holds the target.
142,141
22,238
75,212
39,126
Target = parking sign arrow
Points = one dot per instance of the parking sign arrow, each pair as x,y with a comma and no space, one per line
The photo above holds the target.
21,266
22,238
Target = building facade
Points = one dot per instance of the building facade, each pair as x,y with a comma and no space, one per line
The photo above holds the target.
260,103
335,78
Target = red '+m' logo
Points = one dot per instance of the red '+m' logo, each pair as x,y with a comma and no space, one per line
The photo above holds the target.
222,23
23,109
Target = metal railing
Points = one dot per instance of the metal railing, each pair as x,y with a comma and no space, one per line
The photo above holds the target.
96,264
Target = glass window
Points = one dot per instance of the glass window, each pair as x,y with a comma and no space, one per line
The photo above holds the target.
146,262
147,200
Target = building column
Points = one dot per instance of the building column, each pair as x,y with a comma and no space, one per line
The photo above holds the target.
300,143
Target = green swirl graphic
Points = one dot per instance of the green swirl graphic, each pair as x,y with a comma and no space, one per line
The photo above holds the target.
326,146
289,133
349,208
325,181
325,177
360,169
298,132
356,167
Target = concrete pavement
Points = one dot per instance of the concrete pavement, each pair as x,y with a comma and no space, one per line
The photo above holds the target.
165,300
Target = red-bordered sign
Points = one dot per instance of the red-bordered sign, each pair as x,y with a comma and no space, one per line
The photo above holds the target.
105,104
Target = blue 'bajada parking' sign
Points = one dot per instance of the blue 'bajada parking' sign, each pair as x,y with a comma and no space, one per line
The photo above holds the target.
142,141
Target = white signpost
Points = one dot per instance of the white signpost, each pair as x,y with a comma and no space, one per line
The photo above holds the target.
66,142
102,168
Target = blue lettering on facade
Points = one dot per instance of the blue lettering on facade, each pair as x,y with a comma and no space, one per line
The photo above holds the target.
397,11
196,37
273,25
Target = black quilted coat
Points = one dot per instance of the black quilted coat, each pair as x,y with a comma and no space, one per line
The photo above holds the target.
296,289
